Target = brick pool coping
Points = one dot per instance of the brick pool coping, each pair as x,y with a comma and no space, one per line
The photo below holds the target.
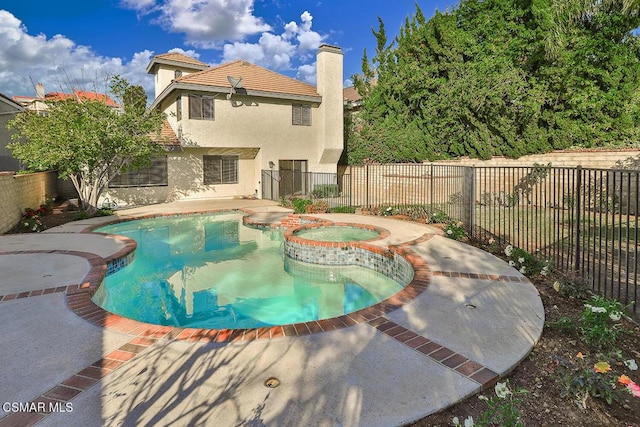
79,300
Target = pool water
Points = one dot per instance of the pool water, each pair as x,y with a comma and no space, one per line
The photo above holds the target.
211,271
337,234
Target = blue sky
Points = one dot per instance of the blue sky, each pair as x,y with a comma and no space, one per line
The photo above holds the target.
77,44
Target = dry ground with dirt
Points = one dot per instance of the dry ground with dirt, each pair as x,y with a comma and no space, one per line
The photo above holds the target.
539,374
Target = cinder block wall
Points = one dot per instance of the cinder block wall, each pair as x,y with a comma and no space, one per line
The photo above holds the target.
18,192
596,159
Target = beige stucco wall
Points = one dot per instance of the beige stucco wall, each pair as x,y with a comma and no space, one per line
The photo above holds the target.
165,74
330,113
261,123
185,180
18,192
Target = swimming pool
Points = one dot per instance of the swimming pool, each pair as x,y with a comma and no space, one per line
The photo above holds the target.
210,271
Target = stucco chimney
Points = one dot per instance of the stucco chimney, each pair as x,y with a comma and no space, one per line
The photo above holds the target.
39,90
329,84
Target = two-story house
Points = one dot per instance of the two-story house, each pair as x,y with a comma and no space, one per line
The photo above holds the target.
228,123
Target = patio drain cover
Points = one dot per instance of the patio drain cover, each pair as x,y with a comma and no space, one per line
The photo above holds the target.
272,382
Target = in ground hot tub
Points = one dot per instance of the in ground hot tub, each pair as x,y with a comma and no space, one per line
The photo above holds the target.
337,233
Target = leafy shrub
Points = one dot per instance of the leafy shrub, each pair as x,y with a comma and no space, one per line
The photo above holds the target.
439,217
300,205
343,209
82,215
525,262
429,213
563,324
599,324
572,287
584,378
455,230
31,220
318,207
502,410
325,190
104,212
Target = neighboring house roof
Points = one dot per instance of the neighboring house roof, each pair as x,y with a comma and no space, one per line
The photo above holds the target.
175,59
351,94
21,98
81,95
94,96
57,96
167,136
256,81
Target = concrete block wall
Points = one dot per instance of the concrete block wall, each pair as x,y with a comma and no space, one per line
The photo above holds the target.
597,159
18,192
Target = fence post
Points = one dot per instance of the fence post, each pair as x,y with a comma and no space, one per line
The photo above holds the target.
366,185
431,186
578,208
468,181
472,201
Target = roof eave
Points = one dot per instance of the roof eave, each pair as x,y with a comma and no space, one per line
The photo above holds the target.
156,61
11,102
175,86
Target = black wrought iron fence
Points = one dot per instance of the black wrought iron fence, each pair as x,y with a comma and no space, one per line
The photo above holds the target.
583,221
331,188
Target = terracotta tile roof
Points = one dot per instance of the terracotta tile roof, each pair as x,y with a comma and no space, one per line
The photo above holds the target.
167,136
57,96
175,59
93,96
254,78
179,57
350,94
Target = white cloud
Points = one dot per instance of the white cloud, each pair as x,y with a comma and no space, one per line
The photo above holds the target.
278,51
205,23
192,53
138,4
307,73
59,63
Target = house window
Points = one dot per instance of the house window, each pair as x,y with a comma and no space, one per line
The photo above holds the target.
220,169
154,175
177,74
200,107
179,108
301,115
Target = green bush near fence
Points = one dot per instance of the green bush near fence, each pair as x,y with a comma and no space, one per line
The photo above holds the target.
343,209
325,190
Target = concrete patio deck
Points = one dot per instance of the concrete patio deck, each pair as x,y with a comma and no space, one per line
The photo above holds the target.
474,322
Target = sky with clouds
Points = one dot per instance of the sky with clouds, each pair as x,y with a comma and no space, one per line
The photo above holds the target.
68,44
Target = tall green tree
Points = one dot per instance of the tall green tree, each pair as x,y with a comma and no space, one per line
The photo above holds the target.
88,141
478,81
